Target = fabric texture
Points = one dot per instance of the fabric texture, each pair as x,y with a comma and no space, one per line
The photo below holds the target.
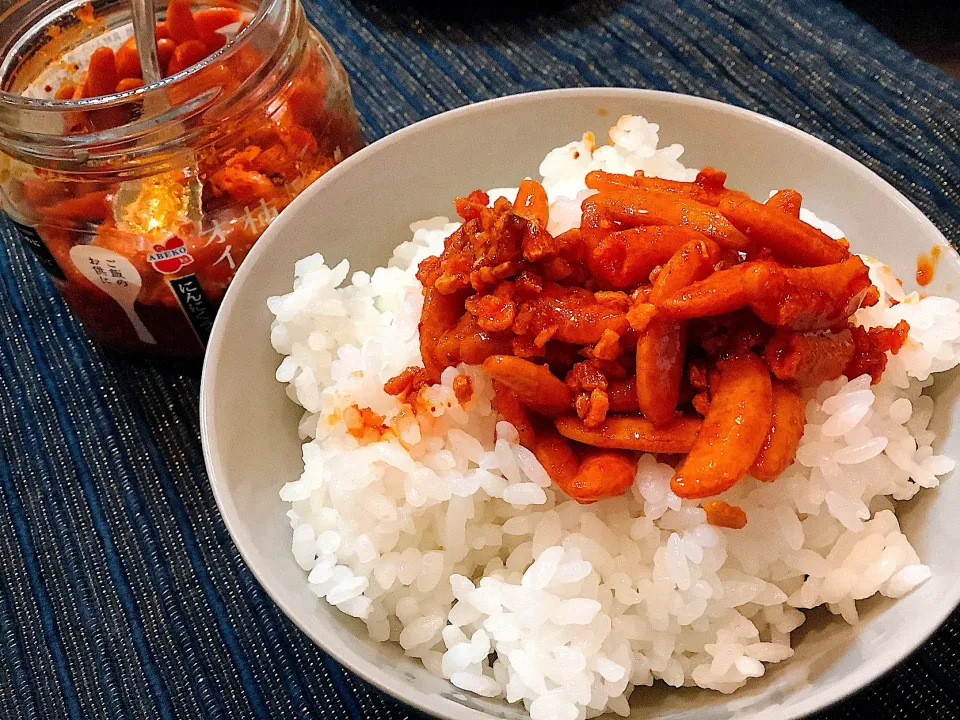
121,594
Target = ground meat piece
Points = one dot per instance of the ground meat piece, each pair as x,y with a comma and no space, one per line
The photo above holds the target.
359,421
722,514
871,347
492,312
592,408
407,384
463,389
586,376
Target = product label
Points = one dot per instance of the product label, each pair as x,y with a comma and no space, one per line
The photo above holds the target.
117,277
170,257
39,249
195,304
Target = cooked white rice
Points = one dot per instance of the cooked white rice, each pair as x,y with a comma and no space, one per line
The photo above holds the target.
447,537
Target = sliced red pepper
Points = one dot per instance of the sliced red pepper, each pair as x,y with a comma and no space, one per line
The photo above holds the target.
537,387
532,203
740,414
780,445
602,474
809,358
633,208
791,240
815,298
632,432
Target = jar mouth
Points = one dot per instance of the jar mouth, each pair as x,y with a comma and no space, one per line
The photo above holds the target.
31,126
15,99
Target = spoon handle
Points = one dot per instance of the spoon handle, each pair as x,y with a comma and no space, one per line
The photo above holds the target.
142,332
144,29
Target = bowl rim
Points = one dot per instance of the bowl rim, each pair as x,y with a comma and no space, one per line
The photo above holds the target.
902,646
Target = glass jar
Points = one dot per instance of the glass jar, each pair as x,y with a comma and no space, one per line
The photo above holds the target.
142,204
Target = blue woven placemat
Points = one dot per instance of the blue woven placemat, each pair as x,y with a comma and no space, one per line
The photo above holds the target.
121,594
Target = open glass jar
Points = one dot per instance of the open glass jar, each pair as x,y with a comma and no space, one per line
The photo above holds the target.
142,203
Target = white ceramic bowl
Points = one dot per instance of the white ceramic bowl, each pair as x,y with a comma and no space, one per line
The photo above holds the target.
362,209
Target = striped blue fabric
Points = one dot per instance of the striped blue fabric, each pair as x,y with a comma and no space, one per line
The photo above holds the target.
121,594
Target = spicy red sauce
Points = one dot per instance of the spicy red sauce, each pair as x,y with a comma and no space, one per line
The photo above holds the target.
926,264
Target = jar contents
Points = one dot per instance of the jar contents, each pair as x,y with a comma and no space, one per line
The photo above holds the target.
145,256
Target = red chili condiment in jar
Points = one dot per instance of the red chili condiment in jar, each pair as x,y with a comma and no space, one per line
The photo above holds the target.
142,201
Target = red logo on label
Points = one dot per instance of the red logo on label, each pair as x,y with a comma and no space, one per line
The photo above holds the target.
170,257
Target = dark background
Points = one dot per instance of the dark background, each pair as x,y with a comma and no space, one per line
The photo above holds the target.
929,29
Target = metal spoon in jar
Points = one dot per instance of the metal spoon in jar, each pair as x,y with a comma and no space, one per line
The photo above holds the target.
145,31
137,202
